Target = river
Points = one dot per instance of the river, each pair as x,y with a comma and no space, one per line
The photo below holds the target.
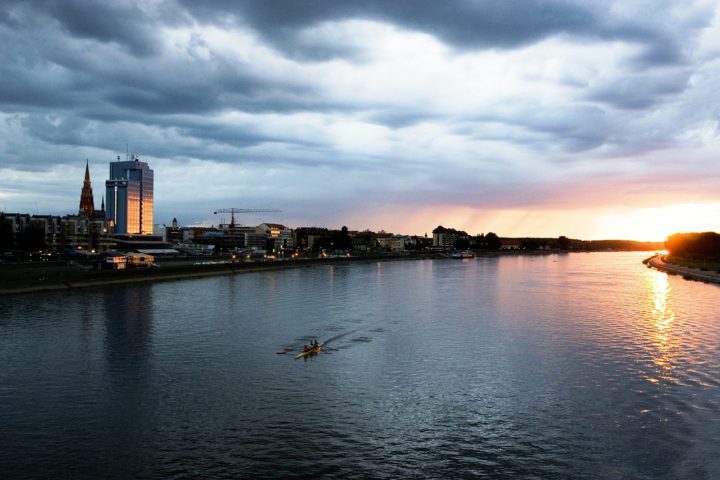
556,366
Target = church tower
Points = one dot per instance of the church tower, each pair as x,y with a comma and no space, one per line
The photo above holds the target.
87,203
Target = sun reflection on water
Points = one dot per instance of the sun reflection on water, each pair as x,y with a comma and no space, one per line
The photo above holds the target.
663,342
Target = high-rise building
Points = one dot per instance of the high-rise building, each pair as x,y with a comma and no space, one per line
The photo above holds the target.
129,193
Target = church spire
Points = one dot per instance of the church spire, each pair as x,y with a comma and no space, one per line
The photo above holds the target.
87,202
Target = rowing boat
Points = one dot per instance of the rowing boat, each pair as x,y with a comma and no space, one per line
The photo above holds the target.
311,351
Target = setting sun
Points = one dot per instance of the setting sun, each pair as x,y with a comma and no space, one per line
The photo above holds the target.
656,224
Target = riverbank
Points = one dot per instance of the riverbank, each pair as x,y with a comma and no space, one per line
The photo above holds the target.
46,276
659,262
39,277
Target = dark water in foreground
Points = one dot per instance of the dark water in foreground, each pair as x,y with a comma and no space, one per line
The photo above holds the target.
569,366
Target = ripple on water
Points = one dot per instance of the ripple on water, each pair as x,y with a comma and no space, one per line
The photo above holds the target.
575,366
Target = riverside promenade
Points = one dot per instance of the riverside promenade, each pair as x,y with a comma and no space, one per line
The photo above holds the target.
658,262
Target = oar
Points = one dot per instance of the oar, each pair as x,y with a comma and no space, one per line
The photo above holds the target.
323,344
340,336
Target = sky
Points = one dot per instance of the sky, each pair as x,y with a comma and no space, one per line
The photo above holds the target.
593,120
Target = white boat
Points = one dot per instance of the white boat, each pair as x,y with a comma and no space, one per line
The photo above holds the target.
463,254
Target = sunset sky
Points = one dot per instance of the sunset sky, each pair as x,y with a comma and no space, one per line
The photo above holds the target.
526,118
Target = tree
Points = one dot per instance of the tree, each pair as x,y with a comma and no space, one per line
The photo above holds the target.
344,241
462,243
493,241
694,245
529,244
478,242
563,242
7,240
33,238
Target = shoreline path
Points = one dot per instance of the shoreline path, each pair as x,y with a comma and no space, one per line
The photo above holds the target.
658,262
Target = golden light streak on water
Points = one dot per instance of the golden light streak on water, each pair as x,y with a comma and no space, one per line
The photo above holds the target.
664,342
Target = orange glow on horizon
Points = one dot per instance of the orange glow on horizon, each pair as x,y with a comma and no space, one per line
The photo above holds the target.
611,223
657,223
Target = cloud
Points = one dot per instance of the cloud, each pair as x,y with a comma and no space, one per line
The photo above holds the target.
334,106
641,91
462,24
124,23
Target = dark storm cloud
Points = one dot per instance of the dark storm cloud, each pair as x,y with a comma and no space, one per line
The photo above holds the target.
137,82
20,88
49,69
462,24
194,137
123,23
118,22
221,84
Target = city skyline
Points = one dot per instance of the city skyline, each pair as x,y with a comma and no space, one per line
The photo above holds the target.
522,118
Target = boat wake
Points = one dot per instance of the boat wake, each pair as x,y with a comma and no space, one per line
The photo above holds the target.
337,337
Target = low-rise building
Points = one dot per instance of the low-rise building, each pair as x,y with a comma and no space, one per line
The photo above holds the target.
446,238
114,262
137,259
55,233
510,244
277,236
395,244
305,238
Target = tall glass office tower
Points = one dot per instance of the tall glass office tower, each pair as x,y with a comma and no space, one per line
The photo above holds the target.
129,194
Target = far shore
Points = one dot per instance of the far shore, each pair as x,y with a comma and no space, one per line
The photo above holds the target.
42,277
659,262
54,278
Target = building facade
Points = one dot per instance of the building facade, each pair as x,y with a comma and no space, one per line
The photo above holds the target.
129,194
276,236
446,238
51,233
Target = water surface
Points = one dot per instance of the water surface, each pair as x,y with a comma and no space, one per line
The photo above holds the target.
558,366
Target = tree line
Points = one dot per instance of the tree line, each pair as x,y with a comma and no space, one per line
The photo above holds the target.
694,245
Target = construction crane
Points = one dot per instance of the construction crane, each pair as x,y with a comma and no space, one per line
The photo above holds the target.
233,211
